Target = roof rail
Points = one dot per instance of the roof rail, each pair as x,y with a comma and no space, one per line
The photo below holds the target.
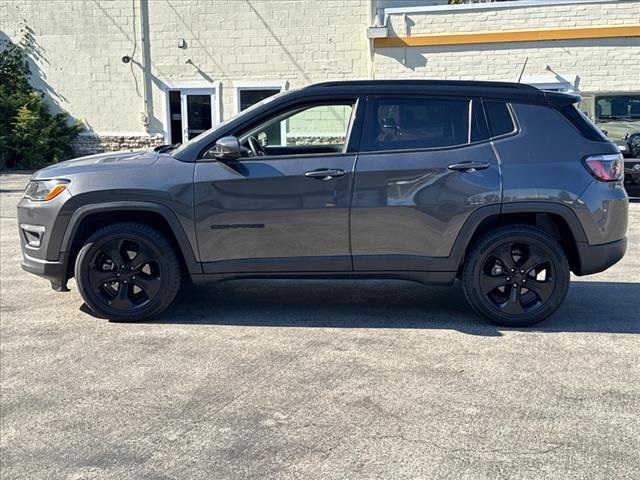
444,83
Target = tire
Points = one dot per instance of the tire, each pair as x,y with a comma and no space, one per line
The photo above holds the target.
144,283
516,276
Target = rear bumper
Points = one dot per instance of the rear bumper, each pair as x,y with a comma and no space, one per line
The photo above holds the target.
54,271
597,258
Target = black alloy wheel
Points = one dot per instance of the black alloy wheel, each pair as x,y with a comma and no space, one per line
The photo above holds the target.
516,276
127,272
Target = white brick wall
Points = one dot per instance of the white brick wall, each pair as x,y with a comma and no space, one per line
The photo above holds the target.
77,45
80,44
600,64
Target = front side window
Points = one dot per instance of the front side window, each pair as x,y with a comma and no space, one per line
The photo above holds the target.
304,130
617,107
416,123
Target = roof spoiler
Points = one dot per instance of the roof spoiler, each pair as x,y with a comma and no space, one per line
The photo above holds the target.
561,99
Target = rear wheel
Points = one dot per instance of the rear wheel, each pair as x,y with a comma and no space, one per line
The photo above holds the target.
516,276
127,272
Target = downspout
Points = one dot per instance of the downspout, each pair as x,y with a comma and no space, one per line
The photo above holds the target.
145,65
378,29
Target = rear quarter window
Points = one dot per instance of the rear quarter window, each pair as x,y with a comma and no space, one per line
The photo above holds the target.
499,118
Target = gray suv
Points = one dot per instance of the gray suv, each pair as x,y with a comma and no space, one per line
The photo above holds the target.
500,185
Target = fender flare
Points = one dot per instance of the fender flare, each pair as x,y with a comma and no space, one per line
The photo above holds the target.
83,212
477,217
563,211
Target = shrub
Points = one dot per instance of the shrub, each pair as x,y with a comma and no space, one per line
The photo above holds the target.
30,135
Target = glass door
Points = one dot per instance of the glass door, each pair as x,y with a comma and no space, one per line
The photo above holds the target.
191,112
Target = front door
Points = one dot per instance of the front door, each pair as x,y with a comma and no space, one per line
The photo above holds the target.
284,206
422,170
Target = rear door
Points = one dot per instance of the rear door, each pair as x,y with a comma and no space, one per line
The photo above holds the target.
425,165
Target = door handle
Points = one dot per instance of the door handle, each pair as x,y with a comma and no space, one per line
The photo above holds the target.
468,166
325,174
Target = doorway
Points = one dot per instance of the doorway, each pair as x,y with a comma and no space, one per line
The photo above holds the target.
192,111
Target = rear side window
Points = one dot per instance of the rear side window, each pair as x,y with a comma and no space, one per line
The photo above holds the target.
416,123
498,118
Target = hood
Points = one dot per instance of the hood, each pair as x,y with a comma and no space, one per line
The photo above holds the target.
99,162
617,129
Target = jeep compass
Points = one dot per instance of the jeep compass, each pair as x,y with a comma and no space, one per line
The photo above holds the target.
499,185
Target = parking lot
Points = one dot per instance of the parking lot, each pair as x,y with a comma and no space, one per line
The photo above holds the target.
316,379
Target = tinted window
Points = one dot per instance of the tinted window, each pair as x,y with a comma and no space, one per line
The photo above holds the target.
499,118
314,129
618,107
413,123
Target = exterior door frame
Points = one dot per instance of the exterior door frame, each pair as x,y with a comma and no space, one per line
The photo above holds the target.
191,88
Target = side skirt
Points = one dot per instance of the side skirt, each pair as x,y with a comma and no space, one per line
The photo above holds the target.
426,278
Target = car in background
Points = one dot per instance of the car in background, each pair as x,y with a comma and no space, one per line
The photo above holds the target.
618,116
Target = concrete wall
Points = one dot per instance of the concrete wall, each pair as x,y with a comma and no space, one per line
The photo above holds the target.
600,64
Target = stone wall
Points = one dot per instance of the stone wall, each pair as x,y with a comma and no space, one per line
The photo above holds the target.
306,140
91,143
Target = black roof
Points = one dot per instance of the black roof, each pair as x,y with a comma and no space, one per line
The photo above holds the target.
503,90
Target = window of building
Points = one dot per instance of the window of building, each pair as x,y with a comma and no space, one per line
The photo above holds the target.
248,93
414,123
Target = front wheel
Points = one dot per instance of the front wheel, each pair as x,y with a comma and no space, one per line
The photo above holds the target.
127,272
516,276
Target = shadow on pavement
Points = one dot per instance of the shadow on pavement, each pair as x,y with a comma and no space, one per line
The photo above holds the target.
590,306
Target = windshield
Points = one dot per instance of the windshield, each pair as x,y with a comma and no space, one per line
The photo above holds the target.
246,111
617,107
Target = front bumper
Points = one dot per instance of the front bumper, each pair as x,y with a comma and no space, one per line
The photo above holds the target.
54,271
45,258
632,166
597,258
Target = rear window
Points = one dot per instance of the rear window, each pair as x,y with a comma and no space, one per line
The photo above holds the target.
499,118
416,123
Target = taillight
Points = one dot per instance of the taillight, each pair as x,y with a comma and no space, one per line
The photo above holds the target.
607,168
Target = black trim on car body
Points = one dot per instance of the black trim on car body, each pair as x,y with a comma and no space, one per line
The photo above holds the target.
81,213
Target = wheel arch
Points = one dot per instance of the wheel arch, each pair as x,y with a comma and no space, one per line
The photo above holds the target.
557,220
89,218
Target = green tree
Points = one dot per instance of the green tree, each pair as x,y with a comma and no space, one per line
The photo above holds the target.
30,135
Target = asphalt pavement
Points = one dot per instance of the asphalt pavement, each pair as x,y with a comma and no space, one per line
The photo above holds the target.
317,380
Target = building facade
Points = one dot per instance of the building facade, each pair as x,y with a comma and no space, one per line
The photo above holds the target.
140,73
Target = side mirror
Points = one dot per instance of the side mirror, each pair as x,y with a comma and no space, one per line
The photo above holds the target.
227,148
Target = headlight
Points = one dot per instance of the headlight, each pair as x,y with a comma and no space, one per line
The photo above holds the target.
45,190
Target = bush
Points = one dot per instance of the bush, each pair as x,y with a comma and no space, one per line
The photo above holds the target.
30,136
